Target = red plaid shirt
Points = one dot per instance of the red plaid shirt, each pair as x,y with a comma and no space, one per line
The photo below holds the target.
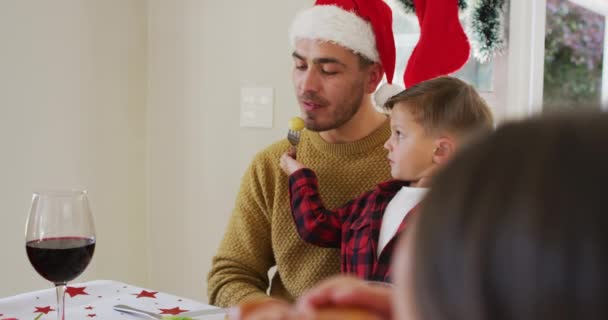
354,228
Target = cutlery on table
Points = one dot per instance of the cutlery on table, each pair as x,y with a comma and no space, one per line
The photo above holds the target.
152,315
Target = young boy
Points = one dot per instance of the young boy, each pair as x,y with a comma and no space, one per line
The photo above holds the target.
428,122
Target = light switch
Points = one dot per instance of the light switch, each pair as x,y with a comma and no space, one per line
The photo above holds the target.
257,107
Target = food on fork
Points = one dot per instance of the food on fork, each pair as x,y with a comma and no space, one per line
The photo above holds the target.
296,124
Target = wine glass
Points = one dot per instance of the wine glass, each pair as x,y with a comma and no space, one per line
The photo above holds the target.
60,238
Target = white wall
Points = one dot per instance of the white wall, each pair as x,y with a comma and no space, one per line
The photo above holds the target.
72,100
137,101
200,54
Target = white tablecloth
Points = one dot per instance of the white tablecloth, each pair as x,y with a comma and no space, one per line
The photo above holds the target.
94,300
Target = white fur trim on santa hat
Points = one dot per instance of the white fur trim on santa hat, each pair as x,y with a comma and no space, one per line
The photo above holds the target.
332,24
384,92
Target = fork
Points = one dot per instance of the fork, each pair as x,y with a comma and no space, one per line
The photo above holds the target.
293,137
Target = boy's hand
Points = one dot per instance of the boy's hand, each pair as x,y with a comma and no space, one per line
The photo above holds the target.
288,163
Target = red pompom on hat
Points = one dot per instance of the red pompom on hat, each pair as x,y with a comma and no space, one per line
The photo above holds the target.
363,26
443,46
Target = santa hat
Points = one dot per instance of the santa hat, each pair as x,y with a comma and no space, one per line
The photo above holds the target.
363,26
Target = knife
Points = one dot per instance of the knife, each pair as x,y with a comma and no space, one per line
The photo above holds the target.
189,314
205,312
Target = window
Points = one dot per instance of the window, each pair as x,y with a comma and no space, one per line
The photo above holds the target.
575,50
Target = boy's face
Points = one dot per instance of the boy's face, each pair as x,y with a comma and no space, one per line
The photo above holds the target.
410,147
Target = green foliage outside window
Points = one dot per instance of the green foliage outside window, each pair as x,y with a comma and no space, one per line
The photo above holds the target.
574,43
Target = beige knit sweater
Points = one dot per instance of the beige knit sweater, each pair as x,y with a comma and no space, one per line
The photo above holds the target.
261,232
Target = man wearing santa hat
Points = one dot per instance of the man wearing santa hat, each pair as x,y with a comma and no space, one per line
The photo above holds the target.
342,50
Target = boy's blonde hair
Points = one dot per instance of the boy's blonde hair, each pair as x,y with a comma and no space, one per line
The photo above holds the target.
445,104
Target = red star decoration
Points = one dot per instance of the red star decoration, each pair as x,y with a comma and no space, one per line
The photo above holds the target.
91,315
145,294
174,311
89,308
76,291
10,319
44,310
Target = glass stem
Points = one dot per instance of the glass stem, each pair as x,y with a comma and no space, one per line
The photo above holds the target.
60,288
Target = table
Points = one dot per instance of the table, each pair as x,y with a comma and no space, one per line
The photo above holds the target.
93,300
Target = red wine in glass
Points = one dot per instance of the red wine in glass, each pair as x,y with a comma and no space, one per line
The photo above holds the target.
60,260
60,238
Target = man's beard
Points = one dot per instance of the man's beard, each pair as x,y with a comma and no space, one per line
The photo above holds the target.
342,113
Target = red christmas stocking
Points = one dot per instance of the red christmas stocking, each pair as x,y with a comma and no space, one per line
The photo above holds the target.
443,46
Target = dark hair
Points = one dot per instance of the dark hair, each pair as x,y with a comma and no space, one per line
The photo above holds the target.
445,104
516,225
363,61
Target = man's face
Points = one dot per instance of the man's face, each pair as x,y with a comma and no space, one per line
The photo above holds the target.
329,83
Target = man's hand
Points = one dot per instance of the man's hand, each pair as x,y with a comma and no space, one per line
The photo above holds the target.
348,292
288,162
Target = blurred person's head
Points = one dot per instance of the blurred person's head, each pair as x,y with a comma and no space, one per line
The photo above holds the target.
513,228
429,121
